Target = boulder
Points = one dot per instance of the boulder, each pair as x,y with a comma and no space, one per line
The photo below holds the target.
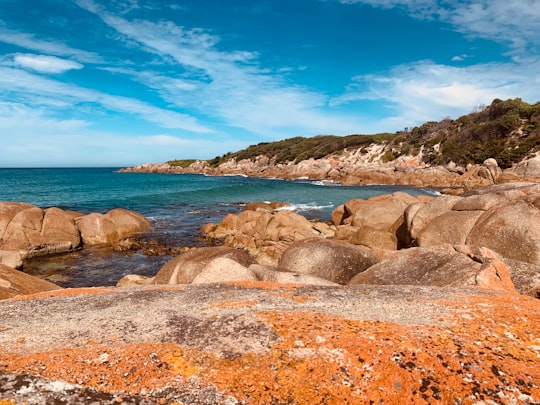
529,167
288,226
382,212
33,231
276,275
131,280
14,282
97,229
59,226
374,238
452,227
525,276
7,211
332,260
440,266
417,216
512,230
11,258
183,269
266,235
223,269
128,222
110,227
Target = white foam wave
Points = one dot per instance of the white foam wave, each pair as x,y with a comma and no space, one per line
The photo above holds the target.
304,207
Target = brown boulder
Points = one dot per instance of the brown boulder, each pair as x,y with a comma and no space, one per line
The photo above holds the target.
223,269
24,230
11,258
374,238
110,227
59,226
37,232
282,276
379,213
440,266
14,282
7,211
183,269
131,280
512,230
128,222
452,227
417,216
288,226
332,260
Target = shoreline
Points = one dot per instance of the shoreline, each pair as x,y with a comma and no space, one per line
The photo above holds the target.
345,171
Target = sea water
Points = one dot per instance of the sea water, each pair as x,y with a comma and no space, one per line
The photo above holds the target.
177,205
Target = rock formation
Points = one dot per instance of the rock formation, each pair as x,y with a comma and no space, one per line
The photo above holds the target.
28,231
14,282
263,343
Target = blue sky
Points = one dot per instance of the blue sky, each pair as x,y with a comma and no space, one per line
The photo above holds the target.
124,82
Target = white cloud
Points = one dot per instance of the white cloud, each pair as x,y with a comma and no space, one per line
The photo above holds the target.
74,143
27,87
45,63
428,91
511,21
230,85
30,42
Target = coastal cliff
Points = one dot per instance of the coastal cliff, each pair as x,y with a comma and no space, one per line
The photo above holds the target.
497,144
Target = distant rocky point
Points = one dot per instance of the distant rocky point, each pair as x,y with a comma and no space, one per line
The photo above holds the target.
498,143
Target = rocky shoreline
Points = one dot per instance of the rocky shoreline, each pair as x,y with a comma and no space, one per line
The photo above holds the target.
397,299
365,166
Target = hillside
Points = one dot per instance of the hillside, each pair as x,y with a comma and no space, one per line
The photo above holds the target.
508,131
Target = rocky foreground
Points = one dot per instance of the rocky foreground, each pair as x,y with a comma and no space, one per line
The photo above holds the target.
399,299
267,343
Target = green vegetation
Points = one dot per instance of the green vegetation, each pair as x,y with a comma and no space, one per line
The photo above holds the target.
506,130
181,163
300,148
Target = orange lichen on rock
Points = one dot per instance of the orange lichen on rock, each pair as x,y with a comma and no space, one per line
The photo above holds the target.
232,304
487,349
64,292
127,369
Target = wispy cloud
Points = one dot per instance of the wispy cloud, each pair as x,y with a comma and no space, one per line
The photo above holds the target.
30,42
71,142
30,87
44,63
426,91
511,21
231,85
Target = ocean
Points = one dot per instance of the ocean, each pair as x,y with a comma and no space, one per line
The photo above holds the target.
177,205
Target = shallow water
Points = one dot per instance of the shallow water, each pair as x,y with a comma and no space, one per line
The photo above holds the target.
177,205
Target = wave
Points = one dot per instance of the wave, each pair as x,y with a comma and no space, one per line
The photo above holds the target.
305,207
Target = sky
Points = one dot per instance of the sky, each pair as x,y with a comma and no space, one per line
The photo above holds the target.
125,82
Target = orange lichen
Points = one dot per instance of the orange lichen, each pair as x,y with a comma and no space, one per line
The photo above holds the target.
488,350
64,292
232,304
128,369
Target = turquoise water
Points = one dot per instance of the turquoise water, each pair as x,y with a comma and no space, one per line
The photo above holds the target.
177,205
